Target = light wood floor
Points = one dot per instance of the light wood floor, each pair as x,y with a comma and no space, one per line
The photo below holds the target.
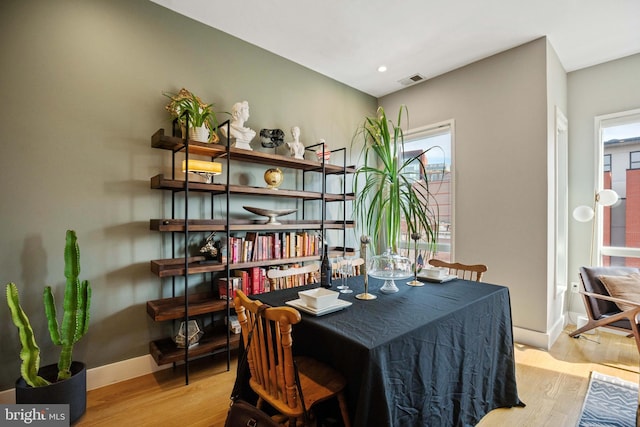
552,384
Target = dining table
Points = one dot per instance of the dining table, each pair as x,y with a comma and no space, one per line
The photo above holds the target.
435,355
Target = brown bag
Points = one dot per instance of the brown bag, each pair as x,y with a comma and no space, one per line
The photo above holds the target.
243,414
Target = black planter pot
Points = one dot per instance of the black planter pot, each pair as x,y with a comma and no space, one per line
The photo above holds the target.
72,391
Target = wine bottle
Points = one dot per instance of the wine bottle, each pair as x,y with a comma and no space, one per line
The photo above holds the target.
325,269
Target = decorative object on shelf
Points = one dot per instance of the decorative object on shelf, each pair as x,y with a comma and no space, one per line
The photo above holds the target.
586,213
271,138
296,148
364,241
193,332
320,154
272,214
273,177
185,105
416,267
240,135
390,191
389,267
209,249
75,323
203,168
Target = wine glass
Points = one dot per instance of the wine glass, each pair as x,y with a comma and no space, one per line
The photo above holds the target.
338,262
346,270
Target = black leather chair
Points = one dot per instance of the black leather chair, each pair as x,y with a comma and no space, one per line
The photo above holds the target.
601,307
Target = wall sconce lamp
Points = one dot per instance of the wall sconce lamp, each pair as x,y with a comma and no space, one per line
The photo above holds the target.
585,213
203,168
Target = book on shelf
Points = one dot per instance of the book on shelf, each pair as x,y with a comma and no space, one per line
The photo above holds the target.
252,237
225,285
245,283
280,245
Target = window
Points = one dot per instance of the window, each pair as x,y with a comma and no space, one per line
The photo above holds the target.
618,236
634,160
606,165
438,138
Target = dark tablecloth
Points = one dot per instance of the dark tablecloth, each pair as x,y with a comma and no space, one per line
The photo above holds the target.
438,355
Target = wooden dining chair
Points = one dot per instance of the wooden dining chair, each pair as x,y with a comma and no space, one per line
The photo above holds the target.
356,263
292,276
463,271
273,368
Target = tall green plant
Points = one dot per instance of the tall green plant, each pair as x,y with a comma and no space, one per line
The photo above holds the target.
385,186
75,318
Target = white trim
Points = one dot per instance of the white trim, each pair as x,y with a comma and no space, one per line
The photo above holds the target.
434,129
600,122
107,374
619,251
560,209
543,340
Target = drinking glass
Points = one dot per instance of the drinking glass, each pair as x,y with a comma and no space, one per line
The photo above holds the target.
346,270
339,261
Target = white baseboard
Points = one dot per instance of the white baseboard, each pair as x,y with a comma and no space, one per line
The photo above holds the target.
543,340
107,374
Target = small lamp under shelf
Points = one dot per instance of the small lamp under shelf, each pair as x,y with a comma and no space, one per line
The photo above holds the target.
203,168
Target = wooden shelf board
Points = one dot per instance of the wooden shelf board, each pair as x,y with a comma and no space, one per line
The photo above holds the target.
175,266
177,225
165,350
173,308
166,142
159,182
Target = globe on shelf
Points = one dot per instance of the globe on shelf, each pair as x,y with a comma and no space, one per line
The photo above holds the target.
273,177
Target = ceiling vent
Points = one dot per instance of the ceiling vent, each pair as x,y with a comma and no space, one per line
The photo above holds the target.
411,80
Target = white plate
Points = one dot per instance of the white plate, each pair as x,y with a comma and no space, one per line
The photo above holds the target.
300,305
440,280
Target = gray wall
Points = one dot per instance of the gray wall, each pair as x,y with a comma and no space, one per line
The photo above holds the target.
602,89
500,109
81,86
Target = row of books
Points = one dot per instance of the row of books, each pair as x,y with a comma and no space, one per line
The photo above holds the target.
250,281
256,246
254,281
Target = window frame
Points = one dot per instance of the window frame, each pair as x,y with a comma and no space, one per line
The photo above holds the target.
430,130
601,122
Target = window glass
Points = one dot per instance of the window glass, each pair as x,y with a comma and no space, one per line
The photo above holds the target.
634,160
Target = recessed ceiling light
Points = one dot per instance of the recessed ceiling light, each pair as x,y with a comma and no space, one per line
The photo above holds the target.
382,68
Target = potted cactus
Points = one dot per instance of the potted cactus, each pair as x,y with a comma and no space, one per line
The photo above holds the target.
66,382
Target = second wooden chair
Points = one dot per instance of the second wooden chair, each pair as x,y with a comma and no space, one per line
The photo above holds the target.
463,271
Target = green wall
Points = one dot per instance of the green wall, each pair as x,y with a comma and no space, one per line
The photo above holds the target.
81,86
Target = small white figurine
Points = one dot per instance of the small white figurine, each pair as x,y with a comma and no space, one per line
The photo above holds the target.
242,135
296,148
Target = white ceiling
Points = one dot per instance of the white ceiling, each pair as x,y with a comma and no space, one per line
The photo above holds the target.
348,39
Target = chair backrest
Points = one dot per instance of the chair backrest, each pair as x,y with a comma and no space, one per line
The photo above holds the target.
463,271
356,264
269,355
591,283
292,276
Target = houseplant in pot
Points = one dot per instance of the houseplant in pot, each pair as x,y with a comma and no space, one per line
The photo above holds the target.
390,193
185,106
66,381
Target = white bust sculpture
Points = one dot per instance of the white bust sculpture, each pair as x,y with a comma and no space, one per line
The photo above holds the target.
242,135
296,148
